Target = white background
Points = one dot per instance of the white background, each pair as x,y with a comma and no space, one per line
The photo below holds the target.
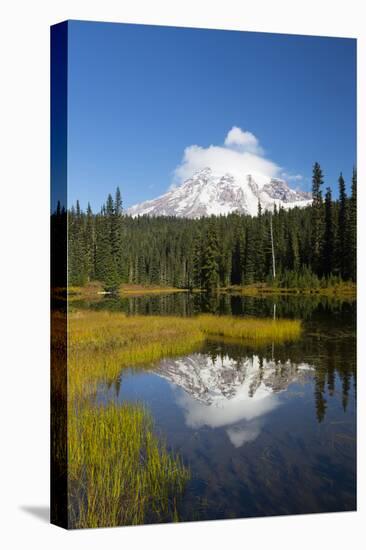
24,271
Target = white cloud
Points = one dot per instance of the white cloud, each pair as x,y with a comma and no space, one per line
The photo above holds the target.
240,155
227,411
243,141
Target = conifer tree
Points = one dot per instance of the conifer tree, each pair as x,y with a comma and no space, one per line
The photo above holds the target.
352,234
342,244
77,266
210,261
112,276
236,263
197,261
249,259
105,264
292,253
259,258
116,235
89,240
111,280
118,203
154,273
317,219
328,246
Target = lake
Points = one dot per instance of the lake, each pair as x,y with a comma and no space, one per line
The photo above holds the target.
265,430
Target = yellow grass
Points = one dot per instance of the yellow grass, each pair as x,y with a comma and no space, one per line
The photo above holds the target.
102,343
140,290
250,329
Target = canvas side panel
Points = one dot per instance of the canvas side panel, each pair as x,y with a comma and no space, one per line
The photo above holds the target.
59,36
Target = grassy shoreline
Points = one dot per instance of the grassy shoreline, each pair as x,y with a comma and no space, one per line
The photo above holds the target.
141,290
346,290
94,290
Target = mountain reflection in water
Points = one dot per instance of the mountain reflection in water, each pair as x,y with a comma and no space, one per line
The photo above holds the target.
223,392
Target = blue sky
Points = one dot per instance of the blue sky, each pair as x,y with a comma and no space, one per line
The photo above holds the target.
140,95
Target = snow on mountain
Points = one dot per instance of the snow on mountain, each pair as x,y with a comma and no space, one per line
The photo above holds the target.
225,393
213,381
207,193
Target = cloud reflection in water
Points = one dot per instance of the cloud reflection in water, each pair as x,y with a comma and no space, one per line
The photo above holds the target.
223,392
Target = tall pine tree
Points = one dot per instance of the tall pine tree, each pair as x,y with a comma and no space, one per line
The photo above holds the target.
352,229
342,240
317,220
328,246
260,258
210,261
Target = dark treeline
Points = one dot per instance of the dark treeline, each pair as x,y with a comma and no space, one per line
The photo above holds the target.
312,246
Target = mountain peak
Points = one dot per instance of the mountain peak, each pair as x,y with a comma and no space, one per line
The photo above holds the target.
207,193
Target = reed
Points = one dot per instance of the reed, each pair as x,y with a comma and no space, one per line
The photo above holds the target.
119,472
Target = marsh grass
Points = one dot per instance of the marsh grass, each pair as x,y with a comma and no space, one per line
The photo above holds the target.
343,289
119,471
141,290
250,329
94,291
103,343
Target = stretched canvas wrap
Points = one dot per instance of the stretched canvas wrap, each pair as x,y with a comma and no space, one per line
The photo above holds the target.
203,225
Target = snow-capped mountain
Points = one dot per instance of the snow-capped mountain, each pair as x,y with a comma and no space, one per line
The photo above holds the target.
207,193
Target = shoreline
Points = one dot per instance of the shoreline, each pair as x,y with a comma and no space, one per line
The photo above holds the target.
95,290
346,290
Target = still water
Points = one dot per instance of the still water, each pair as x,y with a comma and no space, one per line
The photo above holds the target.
265,430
